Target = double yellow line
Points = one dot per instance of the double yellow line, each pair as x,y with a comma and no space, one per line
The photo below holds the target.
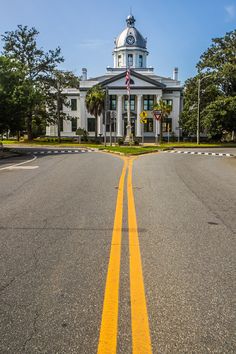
141,341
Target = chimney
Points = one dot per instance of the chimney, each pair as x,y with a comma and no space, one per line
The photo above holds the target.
84,74
175,74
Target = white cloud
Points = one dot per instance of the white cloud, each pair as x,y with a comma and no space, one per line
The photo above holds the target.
231,12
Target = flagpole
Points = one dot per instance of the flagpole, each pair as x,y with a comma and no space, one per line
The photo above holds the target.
128,138
128,113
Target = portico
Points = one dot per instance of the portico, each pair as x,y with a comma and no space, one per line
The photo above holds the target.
139,102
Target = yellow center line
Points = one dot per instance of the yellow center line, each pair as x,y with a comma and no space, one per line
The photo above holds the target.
141,341
109,325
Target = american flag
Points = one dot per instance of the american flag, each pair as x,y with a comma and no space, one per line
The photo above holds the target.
127,80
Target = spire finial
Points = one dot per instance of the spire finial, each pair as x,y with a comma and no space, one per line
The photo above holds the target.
130,19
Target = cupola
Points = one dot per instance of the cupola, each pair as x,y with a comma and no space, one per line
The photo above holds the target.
130,47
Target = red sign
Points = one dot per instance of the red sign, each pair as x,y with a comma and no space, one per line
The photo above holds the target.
157,115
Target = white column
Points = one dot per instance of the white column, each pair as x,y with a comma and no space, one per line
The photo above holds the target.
83,112
67,126
100,125
119,121
139,110
51,130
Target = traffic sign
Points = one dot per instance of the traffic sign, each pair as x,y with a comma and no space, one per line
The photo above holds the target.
157,114
143,115
143,120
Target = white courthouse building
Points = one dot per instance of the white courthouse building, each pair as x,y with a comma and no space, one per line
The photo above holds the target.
146,89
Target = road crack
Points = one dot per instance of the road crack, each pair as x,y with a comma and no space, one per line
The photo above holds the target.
33,332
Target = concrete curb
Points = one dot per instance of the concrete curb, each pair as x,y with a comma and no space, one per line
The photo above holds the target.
15,152
201,153
123,154
112,152
9,154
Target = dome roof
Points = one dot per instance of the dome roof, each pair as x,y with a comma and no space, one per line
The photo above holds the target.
121,40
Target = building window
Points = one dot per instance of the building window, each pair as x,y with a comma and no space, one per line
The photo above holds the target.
169,102
148,127
130,59
148,102
119,61
167,125
73,104
112,102
140,61
132,103
74,124
91,124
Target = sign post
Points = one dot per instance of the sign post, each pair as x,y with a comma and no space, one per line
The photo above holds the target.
111,119
143,120
157,116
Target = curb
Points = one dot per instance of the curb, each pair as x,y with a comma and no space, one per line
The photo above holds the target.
112,152
50,152
11,154
129,154
221,154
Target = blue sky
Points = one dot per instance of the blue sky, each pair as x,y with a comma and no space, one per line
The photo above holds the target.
178,31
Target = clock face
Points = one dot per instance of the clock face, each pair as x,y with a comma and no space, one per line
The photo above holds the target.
130,40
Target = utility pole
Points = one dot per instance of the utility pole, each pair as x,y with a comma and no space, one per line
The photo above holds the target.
198,111
198,106
58,113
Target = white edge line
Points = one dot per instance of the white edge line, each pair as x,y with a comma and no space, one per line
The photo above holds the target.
19,164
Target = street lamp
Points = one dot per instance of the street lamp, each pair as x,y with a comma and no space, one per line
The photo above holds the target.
198,107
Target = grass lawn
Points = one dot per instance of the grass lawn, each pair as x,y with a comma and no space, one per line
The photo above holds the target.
131,150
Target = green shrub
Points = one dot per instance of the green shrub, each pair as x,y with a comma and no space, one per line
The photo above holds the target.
120,141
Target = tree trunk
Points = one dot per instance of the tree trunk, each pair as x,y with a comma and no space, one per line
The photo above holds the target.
29,127
59,131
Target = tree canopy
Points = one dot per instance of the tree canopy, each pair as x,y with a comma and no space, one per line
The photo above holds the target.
95,99
57,82
12,98
34,65
217,75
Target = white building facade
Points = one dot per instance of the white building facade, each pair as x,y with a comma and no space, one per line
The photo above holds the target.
146,90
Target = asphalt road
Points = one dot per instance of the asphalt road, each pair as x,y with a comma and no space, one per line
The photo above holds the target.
56,229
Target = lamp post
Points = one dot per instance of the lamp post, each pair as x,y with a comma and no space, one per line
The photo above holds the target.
198,107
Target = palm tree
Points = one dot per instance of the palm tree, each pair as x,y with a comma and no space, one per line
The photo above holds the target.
94,101
165,110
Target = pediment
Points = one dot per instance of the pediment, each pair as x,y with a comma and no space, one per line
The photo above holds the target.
137,80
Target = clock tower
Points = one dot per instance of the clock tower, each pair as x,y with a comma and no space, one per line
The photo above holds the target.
130,48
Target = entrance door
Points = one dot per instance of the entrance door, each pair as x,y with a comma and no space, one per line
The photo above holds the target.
132,126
